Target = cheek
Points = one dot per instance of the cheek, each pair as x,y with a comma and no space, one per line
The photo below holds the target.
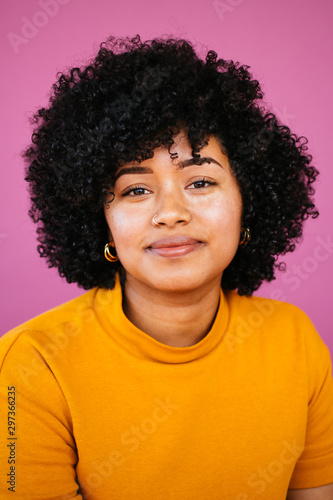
125,225
225,214
226,221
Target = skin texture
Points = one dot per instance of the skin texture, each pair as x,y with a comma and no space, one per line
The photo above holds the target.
172,293
320,493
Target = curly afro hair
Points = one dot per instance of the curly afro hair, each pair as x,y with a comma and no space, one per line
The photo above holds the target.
132,98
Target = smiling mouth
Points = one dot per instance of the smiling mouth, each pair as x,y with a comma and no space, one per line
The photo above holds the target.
174,247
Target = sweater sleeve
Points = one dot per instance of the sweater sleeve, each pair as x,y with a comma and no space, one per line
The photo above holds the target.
315,465
37,448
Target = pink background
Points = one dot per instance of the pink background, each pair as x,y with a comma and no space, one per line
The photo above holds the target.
288,46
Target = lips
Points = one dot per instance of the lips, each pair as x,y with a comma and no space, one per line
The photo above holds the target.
175,246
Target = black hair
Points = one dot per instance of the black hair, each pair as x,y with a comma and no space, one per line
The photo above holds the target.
133,97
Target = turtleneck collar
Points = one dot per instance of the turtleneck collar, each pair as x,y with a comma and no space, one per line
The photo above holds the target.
108,307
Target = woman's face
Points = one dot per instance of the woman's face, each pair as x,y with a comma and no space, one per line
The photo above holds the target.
198,209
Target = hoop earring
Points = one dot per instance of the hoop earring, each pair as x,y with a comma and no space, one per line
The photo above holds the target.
108,255
154,221
245,236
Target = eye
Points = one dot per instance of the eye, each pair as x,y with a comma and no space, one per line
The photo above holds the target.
135,191
202,183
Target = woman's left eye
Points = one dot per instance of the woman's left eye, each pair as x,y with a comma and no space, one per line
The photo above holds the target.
202,183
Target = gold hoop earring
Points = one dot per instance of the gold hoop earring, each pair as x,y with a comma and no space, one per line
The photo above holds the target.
108,255
154,221
245,236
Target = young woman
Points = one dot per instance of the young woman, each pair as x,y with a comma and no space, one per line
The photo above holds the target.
160,185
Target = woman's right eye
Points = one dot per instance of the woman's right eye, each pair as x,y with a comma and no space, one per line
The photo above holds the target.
135,191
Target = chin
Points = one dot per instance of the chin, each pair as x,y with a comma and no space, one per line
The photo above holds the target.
181,283
174,285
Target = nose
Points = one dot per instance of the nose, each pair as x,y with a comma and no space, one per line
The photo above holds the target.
172,210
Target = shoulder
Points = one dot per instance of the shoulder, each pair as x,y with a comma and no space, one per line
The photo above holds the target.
41,331
272,311
275,323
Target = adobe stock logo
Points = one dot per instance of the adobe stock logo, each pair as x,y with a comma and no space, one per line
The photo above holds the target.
222,7
309,265
30,27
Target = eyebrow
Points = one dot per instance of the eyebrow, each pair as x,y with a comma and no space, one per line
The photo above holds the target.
137,169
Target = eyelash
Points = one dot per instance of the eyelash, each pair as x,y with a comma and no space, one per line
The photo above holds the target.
206,181
131,189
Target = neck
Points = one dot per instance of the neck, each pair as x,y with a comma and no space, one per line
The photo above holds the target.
174,319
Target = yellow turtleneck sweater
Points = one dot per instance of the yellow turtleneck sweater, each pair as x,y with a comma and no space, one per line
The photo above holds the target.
93,408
